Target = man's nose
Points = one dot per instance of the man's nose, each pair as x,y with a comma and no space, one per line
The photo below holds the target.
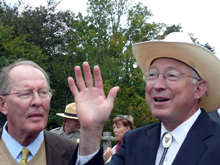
160,82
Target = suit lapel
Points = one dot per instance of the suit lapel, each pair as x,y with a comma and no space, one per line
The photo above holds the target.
148,145
194,144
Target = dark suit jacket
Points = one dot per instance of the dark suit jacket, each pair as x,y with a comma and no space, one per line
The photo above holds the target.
214,116
3,119
58,148
139,147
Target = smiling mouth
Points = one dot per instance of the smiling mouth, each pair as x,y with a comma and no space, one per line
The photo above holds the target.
158,100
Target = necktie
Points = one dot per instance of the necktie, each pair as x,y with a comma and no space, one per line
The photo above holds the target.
24,158
166,142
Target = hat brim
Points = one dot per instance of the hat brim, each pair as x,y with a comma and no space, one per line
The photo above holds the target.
200,59
66,116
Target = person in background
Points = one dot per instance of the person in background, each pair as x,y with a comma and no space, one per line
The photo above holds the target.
25,97
71,127
215,115
182,86
121,125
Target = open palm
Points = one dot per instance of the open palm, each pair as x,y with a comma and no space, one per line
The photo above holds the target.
93,108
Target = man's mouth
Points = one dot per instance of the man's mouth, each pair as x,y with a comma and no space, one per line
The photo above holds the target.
160,100
35,116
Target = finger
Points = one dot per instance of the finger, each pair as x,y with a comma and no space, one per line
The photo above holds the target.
107,150
98,77
112,94
72,86
88,74
79,78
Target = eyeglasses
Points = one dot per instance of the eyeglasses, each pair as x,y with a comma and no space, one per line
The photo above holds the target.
170,75
28,95
122,116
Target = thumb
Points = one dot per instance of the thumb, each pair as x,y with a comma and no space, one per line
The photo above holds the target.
112,94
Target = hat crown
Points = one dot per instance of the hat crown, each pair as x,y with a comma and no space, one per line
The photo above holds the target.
71,108
178,37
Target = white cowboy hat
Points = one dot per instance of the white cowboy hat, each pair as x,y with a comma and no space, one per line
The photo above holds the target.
179,46
70,112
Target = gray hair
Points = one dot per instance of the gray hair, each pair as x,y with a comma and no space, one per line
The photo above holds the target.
195,76
195,79
5,86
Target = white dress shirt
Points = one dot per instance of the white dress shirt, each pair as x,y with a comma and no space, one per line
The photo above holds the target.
179,134
84,159
15,148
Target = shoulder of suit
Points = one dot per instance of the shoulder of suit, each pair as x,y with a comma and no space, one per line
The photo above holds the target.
60,138
56,129
59,142
144,129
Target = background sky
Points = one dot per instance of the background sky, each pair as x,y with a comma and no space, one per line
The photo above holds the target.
200,17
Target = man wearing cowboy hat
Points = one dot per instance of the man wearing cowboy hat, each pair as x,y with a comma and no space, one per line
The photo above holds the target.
71,127
182,85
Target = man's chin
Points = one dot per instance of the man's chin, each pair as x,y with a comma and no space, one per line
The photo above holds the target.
37,128
160,114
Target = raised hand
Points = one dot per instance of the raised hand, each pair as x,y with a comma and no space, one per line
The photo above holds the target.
93,108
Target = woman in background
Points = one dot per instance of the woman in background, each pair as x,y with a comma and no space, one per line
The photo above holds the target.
121,124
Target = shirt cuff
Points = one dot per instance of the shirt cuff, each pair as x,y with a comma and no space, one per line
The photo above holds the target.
84,159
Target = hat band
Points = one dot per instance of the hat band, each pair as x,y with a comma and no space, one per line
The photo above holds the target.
70,114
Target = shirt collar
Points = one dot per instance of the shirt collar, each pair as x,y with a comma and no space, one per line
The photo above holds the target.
15,148
179,133
218,110
62,130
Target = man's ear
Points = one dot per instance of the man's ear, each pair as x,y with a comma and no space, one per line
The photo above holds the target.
200,89
3,105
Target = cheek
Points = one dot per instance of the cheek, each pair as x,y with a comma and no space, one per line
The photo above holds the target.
123,132
17,113
73,124
184,91
147,93
17,107
119,132
47,106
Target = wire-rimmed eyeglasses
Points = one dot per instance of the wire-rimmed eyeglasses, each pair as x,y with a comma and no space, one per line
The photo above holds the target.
171,75
27,95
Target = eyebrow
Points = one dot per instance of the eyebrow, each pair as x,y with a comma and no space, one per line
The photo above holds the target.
169,68
28,89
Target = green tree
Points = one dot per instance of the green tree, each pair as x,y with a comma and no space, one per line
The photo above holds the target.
12,48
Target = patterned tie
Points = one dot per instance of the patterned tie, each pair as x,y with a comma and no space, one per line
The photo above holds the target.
166,142
24,158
